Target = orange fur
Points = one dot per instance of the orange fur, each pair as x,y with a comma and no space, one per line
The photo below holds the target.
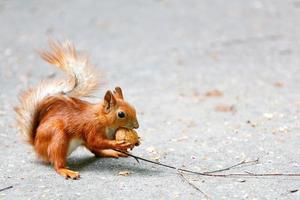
53,119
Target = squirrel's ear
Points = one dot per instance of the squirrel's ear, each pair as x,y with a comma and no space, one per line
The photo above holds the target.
118,93
109,101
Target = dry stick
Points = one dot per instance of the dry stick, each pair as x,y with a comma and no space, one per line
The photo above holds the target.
137,158
233,166
247,174
193,185
189,171
6,188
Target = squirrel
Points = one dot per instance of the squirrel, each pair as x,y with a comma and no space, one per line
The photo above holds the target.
55,121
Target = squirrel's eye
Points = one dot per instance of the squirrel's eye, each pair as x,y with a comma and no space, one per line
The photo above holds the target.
121,114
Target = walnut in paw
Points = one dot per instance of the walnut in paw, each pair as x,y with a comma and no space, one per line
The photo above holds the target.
128,135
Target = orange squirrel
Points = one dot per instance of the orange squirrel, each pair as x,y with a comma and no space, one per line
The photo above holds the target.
55,120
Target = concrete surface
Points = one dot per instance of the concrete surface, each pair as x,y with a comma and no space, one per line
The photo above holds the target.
166,55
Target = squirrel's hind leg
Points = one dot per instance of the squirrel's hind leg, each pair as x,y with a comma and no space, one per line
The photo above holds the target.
52,144
68,173
58,153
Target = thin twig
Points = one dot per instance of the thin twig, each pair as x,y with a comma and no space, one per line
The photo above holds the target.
6,188
193,185
146,160
248,174
233,166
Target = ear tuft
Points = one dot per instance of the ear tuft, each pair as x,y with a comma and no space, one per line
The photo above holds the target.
118,93
109,101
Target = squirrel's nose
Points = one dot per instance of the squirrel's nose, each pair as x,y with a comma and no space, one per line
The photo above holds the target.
136,125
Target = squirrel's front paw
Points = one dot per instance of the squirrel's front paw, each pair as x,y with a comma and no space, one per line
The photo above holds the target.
122,145
109,153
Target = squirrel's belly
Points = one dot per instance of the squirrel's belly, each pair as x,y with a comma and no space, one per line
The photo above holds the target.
74,143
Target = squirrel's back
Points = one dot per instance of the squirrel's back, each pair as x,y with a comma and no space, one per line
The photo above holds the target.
82,81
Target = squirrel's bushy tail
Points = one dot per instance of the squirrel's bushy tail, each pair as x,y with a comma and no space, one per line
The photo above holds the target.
82,81
82,74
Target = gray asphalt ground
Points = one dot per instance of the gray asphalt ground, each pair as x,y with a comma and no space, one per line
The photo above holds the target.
168,56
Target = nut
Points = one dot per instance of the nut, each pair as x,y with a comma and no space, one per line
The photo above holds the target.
128,135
